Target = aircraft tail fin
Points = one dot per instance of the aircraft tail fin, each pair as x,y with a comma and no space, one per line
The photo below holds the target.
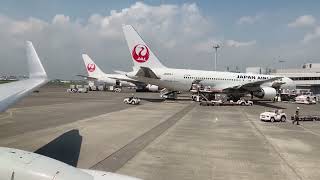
36,69
141,54
92,69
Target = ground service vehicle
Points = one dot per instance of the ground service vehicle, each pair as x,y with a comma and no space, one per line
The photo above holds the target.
132,100
243,102
274,115
305,99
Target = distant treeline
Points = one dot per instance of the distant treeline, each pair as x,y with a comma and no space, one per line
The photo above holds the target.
5,81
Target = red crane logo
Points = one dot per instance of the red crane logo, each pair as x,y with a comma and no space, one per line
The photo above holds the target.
91,67
140,53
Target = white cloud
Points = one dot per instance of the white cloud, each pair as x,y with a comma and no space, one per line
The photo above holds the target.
233,43
312,35
61,40
303,21
206,45
180,35
17,27
163,20
60,19
248,19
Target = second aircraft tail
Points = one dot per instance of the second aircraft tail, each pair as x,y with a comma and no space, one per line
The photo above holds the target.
92,69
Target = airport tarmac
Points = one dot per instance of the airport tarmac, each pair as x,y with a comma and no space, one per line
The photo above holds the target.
163,139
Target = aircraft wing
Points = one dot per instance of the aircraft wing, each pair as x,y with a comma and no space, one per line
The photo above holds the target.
88,77
252,86
143,72
146,73
12,92
135,82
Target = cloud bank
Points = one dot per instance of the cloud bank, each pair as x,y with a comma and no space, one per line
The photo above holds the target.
233,43
303,21
248,19
180,35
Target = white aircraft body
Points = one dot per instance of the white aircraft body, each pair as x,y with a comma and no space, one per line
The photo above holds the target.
96,74
22,165
147,68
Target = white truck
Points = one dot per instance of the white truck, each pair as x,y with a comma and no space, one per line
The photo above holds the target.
77,89
306,99
274,115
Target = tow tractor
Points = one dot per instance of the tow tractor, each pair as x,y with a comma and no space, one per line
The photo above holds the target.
132,100
244,102
274,115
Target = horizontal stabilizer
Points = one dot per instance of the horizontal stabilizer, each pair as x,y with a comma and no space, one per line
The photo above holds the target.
88,77
120,72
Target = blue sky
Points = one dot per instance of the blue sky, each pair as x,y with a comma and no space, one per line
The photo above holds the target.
224,13
251,32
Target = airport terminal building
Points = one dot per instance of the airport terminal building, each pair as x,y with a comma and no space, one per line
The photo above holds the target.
306,78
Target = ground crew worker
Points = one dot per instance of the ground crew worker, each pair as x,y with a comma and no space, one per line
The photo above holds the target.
296,117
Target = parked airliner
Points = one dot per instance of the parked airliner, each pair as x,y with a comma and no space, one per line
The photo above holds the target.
147,68
120,79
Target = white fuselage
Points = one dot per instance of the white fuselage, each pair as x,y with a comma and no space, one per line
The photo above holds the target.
182,79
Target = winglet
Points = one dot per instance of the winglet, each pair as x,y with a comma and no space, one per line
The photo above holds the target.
36,69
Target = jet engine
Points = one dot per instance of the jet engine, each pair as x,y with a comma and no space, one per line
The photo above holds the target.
152,88
265,93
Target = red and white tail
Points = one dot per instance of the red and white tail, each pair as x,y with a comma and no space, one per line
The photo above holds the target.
91,67
141,54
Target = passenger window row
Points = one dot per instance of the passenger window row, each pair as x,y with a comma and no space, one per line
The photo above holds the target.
304,78
209,78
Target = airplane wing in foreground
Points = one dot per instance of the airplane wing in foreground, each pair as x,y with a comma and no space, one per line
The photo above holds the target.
12,92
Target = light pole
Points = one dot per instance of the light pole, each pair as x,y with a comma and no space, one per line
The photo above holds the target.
216,46
280,62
